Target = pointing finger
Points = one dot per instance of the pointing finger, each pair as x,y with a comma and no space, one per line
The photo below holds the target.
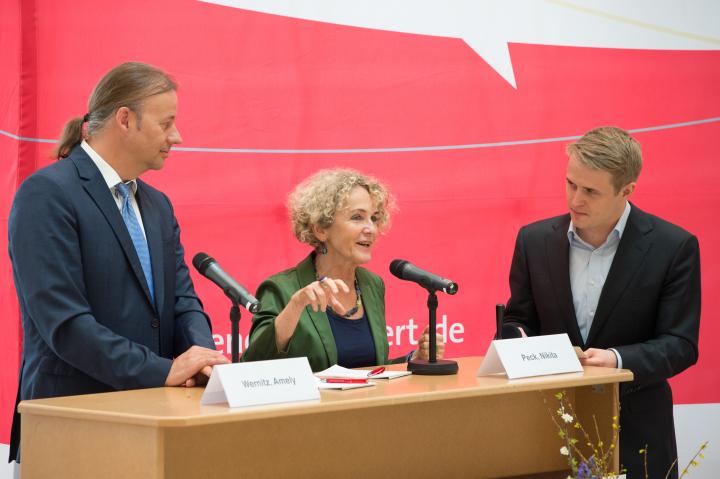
343,285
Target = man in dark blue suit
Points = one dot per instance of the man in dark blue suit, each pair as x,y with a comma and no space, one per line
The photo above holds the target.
622,283
105,296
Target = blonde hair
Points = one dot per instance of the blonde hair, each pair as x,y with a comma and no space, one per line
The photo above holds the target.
128,85
316,200
610,149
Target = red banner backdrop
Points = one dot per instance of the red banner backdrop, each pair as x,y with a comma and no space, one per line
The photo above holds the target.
261,94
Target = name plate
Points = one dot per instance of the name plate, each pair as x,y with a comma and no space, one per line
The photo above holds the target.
533,356
261,382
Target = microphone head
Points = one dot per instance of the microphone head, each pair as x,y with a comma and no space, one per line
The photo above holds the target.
451,289
397,266
201,261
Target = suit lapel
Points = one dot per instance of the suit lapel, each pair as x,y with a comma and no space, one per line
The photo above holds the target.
306,275
95,186
151,222
376,317
629,257
557,248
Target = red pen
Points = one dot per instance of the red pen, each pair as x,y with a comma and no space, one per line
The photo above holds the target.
344,381
376,371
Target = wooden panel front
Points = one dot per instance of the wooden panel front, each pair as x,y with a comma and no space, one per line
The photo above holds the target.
62,448
472,437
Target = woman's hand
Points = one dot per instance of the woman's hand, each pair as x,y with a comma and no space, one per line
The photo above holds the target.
423,350
318,295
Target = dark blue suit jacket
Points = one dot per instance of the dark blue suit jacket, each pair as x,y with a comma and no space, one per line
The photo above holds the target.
649,311
88,322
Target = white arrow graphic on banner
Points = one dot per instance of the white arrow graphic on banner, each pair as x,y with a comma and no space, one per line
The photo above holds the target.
488,26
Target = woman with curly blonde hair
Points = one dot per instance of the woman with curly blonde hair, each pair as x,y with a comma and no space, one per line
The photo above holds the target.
328,308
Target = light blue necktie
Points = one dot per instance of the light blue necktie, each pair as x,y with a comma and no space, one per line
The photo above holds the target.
136,234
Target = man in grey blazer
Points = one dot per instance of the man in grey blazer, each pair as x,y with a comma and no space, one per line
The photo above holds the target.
105,296
623,284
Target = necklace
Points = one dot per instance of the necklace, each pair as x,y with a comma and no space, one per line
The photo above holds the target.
350,312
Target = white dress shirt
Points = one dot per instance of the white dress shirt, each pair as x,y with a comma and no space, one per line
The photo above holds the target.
589,267
112,178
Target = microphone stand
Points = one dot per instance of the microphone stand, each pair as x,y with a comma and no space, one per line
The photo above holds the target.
235,331
499,316
433,366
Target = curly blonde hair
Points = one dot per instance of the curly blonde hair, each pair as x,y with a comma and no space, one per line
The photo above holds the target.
316,200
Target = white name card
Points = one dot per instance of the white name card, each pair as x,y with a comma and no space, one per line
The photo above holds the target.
533,356
261,382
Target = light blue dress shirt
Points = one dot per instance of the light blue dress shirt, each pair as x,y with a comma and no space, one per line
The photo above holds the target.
589,268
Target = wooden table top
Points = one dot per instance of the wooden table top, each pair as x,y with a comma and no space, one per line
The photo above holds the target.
180,407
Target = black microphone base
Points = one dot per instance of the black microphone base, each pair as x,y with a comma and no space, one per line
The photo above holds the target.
441,367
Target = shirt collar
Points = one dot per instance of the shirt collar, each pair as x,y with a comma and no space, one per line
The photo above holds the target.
619,226
622,222
109,174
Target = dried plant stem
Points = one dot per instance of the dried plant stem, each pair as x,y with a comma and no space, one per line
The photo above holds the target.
599,467
667,474
690,462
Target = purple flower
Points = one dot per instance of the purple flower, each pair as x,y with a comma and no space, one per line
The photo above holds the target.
584,471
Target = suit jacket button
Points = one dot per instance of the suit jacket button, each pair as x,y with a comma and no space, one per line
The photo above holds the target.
155,323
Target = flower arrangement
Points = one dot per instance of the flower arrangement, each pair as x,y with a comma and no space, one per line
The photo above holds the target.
598,463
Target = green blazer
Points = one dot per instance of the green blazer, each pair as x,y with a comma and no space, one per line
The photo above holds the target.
313,337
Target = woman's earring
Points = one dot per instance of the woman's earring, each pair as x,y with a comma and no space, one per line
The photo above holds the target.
322,249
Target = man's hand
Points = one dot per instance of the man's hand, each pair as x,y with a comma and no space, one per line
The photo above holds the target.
192,365
200,379
423,350
599,357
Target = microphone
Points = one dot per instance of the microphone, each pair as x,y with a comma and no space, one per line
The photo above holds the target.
208,267
432,282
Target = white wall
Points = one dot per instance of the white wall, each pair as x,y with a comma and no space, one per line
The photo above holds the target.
6,470
695,424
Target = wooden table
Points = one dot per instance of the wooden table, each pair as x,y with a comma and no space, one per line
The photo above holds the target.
415,426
